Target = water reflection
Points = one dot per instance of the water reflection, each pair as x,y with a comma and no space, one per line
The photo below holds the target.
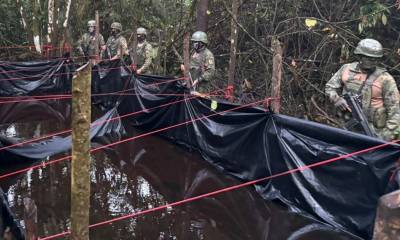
144,174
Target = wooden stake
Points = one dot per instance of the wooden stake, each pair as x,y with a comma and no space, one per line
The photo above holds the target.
276,74
97,43
186,59
234,37
80,178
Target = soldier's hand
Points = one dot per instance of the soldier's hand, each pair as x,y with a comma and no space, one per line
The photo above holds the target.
342,105
182,67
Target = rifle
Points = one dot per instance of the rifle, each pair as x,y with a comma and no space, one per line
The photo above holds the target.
358,122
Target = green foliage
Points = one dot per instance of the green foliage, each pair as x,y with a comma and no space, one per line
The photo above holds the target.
372,13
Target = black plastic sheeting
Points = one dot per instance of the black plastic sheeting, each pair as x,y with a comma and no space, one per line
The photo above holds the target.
252,143
40,150
30,78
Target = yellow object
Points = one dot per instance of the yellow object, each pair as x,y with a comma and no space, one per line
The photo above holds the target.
310,23
214,105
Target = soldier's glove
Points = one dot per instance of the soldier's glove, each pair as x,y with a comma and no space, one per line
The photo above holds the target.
342,105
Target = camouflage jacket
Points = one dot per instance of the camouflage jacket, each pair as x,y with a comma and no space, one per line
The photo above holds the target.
144,57
380,96
202,68
87,44
115,44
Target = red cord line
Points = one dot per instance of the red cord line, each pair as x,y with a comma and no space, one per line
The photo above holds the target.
133,138
55,74
99,123
224,190
56,97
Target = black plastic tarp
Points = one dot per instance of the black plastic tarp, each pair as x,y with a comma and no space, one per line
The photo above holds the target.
252,143
29,78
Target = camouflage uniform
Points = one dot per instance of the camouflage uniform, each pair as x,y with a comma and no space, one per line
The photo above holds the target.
144,57
202,68
115,44
87,44
380,96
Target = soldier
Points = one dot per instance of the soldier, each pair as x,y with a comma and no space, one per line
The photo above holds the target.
144,52
380,96
202,65
116,44
87,43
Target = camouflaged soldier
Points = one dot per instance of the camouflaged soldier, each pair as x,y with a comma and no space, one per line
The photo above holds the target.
380,96
144,52
202,64
87,43
116,46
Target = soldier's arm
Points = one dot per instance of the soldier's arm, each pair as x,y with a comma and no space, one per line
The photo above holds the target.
148,59
209,68
390,95
334,85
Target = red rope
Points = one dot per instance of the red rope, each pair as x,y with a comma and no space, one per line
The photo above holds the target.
56,97
52,59
27,46
228,189
132,138
99,123
55,74
32,68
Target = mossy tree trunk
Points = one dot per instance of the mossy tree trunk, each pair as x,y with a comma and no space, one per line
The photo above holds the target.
80,178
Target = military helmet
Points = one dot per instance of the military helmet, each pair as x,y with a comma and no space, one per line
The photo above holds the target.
141,31
199,36
116,25
91,23
369,47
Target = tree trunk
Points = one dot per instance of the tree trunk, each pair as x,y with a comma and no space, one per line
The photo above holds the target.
36,26
50,18
233,51
65,45
276,74
202,15
387,223
30,219
80,177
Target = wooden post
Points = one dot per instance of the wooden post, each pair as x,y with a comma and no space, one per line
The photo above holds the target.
30,219
96,59
232,59
134,58
387,222
186,59
276,74
157,67
80,178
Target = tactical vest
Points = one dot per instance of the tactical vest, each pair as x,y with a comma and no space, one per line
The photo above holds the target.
370,88
89,44
113,45
141,54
